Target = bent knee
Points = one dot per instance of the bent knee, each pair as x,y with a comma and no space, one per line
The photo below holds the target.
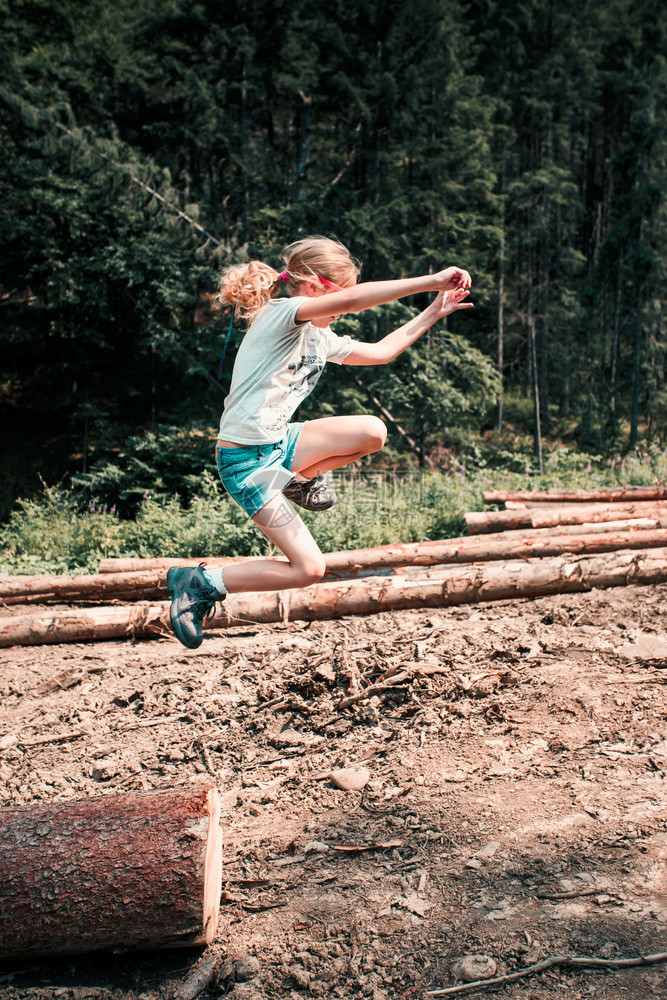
310,571
376,433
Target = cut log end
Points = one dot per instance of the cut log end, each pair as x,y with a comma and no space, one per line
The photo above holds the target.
212,870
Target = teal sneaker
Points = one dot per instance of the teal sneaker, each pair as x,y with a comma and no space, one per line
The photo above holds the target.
192,600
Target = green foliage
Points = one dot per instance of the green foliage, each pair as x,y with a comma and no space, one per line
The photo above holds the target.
144,145
155,465
53,534
49,534
211,524
442,384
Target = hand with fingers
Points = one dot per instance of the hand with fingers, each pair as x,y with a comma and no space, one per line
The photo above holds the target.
451,301
453,277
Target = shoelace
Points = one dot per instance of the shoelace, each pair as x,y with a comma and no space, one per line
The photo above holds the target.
318,486
202,609
205,609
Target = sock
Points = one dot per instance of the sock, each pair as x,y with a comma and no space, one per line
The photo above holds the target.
214,577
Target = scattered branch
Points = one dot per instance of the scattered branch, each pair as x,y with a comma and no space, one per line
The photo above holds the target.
199,977
375,689
549,963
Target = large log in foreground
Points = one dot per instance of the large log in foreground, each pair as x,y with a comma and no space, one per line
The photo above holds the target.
130,871
483,522
475,548
611,494
464,584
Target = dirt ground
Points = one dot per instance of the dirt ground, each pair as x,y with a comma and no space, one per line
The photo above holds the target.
515,804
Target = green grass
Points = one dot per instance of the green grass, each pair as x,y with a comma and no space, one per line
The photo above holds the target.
51,533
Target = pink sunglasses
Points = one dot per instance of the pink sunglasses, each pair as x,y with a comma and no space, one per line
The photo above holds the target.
329,284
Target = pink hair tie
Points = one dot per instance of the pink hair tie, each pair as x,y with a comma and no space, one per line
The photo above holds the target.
284,276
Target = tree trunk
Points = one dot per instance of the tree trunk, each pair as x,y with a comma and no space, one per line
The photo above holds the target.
482,522
480,547
613,494
137,870
613,353
636,357
448,586
356,555
532,348
145,585
543,347
500,317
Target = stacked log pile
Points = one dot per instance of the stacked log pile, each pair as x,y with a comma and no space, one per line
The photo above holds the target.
543,542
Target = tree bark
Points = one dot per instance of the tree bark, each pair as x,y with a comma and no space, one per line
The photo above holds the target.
532,347
482,522
449,586
636,357
137,870
613,494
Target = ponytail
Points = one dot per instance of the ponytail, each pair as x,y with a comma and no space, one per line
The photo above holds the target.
248,287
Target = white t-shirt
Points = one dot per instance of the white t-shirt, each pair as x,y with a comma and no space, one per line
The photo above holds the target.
277,366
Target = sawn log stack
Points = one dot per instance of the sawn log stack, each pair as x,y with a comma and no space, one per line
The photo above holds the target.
548,542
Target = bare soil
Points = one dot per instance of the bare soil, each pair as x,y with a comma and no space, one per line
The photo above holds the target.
515,806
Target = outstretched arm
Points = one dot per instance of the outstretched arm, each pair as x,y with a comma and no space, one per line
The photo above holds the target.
397,341
376,293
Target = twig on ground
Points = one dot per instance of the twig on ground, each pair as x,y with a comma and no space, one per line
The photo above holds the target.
43,741
574,894
375,689
548,963
350,671
199,977
159,720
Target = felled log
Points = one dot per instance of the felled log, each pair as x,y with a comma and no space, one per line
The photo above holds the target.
429,553
149,585
136,564
129,871
482,522
611,494
632,524
475,548
545,504
463,584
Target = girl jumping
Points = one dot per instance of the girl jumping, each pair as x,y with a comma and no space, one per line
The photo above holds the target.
264,460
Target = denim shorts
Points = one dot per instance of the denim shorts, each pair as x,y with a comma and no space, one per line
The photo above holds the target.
255,473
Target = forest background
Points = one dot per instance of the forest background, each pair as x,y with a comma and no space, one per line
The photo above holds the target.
146,144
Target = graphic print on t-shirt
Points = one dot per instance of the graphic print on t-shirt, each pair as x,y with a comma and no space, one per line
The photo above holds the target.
303,376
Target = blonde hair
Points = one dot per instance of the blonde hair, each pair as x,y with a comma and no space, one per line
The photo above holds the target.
248,287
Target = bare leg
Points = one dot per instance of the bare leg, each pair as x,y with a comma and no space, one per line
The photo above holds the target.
323,444
283,526
331,442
